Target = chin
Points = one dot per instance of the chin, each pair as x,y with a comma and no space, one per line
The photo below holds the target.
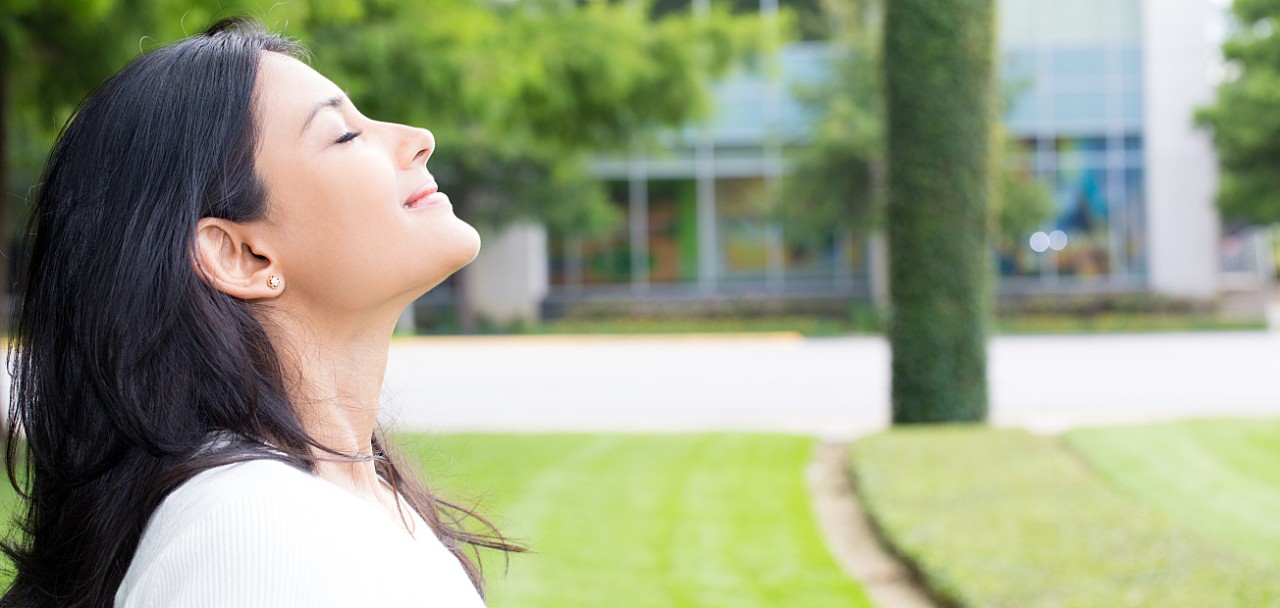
474,243
464,246
462,249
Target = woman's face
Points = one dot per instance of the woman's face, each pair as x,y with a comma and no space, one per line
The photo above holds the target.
353,216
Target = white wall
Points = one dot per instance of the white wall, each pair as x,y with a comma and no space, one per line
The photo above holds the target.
1182,225
509,279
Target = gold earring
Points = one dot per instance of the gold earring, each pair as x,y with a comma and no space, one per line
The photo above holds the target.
274,281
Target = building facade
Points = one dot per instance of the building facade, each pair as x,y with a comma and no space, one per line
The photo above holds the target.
1101,101
1104,93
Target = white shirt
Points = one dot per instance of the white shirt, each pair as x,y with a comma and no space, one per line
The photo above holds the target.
262,533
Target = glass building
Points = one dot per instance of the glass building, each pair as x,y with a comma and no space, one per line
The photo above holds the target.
695,220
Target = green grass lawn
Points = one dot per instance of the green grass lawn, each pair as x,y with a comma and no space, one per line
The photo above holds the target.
998,518
1221,477
634,521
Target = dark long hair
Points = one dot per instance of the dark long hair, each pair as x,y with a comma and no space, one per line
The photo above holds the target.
125,362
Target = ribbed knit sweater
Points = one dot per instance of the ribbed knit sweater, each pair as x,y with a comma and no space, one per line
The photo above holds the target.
262,533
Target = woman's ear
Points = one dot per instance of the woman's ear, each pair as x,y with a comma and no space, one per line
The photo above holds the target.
228,259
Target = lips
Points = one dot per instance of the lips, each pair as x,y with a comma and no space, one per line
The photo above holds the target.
423,196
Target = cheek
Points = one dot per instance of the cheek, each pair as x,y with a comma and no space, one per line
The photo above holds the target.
340,194
344,235
356,188
331,212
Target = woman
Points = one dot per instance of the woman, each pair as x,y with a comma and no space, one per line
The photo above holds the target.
222,246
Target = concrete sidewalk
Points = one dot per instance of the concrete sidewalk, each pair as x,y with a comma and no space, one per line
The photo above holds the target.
830,387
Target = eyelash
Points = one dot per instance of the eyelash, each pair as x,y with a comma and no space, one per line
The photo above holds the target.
348,136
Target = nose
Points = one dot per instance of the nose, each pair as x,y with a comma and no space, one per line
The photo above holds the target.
416,146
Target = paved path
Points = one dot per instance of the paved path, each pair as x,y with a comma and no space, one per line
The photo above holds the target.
832,387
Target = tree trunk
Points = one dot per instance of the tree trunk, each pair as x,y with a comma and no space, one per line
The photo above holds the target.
463,311
939,57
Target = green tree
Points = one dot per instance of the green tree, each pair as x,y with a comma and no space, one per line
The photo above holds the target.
938,67
1019,203
1246,127
835,180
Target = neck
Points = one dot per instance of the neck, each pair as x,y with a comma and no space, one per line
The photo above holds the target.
333,371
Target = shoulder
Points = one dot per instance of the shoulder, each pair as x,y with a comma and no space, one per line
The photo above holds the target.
263,533
239,488
243,528
236,499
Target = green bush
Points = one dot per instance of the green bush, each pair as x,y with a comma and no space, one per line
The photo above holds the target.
1119,323
1087,305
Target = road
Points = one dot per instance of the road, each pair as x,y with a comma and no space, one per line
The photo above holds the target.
831,387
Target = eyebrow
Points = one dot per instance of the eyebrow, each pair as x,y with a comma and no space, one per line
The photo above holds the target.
332,102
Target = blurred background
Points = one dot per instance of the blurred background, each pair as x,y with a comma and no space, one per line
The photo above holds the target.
673,369
661,165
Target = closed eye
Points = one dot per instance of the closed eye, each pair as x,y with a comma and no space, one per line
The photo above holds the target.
348,136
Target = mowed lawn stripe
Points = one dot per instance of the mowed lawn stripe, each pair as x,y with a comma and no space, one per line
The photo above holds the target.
1003,518
1221,477
639,521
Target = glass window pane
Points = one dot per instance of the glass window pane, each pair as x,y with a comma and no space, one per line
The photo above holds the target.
673,231
1081,111
1089,63
744,252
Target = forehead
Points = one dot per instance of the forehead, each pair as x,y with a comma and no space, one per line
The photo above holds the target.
287,90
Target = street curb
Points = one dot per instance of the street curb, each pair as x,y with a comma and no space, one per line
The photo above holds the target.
851,537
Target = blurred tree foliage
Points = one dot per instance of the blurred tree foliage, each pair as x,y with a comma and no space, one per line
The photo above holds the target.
1019,204
517,93
1245,123
836,179
808,20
